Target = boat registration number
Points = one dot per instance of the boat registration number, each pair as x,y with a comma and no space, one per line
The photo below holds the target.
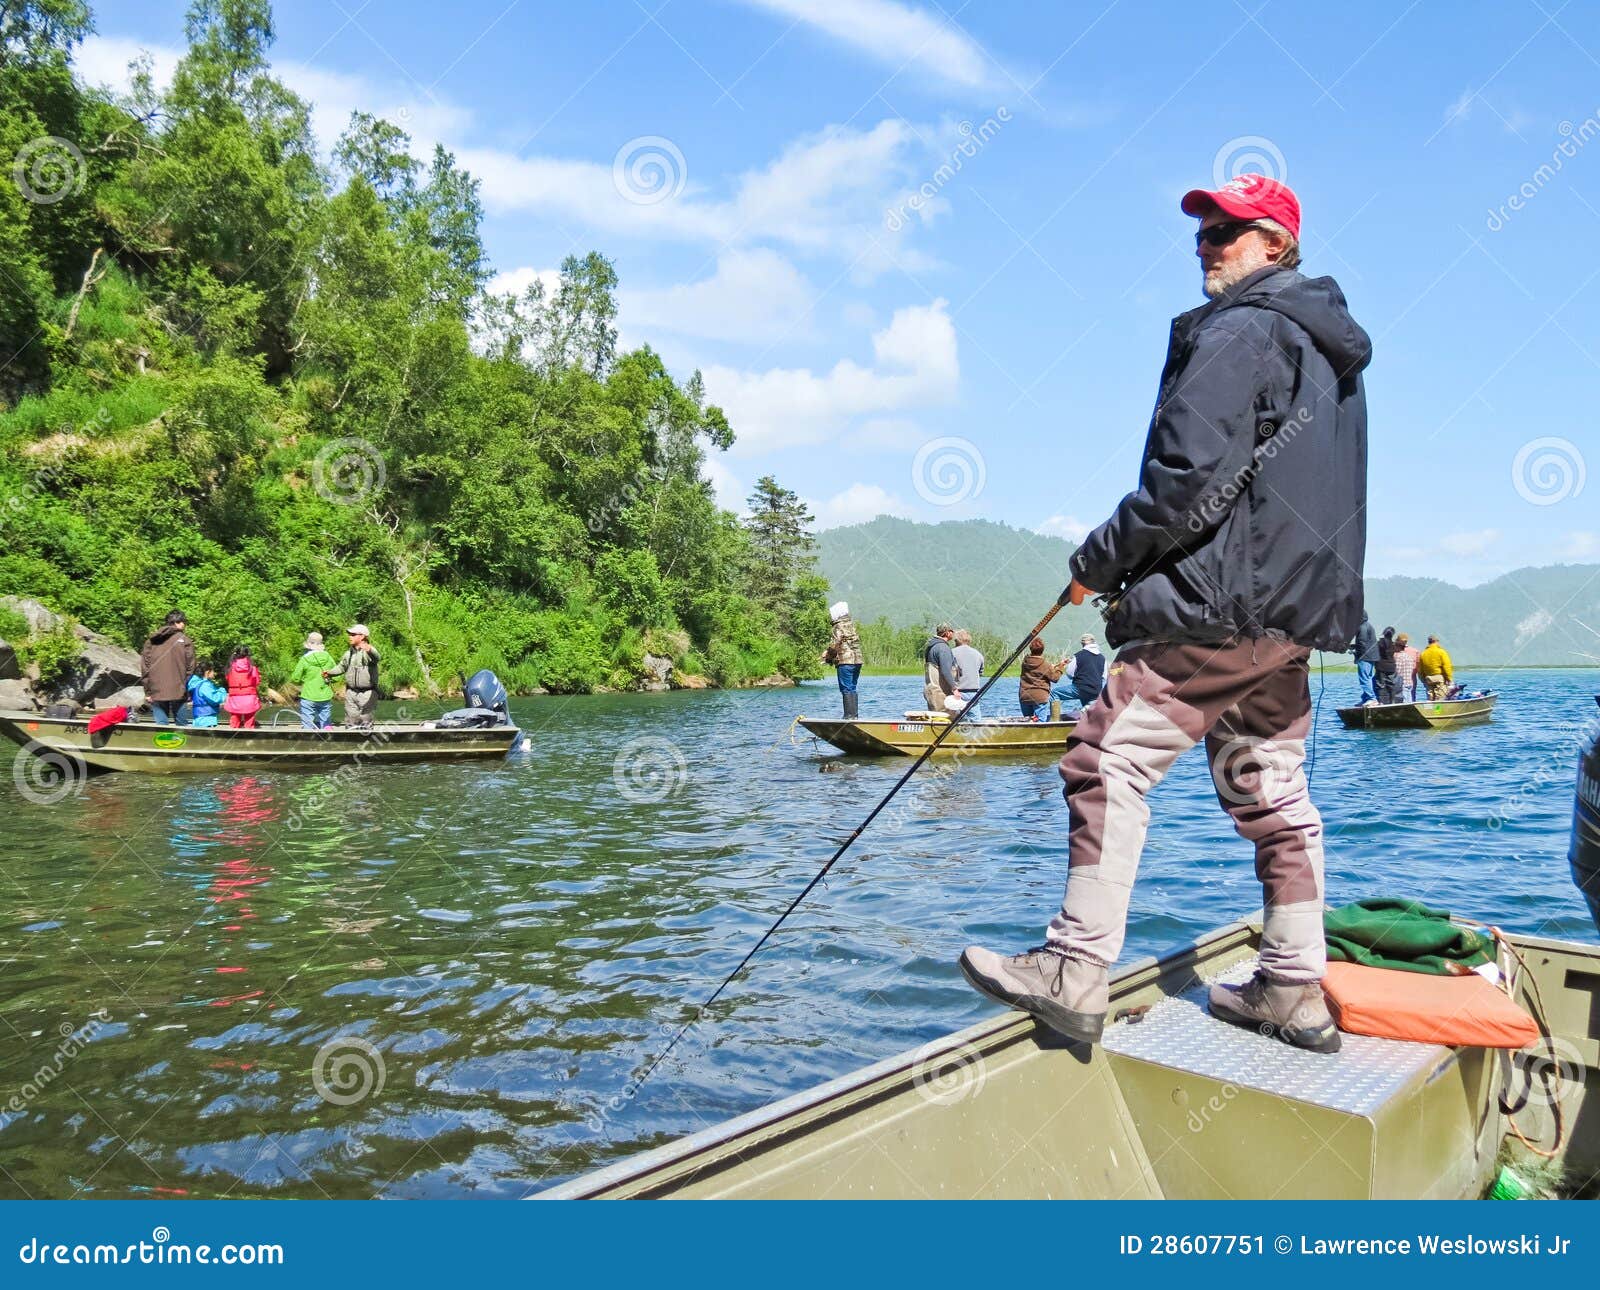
168,739
908,728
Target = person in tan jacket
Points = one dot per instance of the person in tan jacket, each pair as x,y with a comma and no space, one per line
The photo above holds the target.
844,652
1038,675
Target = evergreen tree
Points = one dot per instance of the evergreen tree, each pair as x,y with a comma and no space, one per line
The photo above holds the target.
780,547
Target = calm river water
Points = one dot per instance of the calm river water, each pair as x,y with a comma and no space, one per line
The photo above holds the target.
439,981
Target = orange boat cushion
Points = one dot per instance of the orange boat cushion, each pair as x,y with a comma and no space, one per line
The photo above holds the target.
1452,1010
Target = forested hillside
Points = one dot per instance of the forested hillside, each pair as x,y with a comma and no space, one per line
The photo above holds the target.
264,384
989,576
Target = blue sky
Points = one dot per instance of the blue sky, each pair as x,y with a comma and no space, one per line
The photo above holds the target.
984,340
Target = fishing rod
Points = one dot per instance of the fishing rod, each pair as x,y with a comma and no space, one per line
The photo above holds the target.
1062,601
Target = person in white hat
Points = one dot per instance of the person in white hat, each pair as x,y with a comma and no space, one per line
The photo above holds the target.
311,675
844,652
359,667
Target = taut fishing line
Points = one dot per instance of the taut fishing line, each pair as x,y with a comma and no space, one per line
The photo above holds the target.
1062,601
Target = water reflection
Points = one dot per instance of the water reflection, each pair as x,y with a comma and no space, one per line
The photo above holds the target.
511,944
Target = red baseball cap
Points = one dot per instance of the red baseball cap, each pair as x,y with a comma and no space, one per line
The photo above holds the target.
1249,196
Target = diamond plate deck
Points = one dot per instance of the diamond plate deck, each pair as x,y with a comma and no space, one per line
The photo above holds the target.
1180,1033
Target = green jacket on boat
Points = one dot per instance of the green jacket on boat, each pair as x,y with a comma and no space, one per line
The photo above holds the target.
1404,934
308,676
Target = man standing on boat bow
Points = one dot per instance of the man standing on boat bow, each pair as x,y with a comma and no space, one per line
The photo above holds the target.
1238,554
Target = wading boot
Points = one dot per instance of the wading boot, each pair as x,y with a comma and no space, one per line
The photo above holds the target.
1068,995
852,705
1294,1012
1055,709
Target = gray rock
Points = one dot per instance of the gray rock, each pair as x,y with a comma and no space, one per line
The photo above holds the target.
40,619
658,673
103,669
16,696
131,698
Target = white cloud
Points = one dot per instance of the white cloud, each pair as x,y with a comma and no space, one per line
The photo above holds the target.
730,493
517,281
824,194
755,296
1067,526
897,35
1461,109
856,505
1580,545
915,364
1477,542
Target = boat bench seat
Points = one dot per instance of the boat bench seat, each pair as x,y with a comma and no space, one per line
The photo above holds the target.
1225,1111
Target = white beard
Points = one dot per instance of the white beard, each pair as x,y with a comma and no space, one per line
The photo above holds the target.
1226,276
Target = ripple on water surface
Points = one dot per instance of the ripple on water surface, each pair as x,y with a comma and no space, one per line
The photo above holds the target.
444,980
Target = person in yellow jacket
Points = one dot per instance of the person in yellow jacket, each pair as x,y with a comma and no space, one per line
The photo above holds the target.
1433,666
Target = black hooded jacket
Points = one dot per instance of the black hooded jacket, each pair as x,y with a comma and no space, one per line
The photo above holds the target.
1250,515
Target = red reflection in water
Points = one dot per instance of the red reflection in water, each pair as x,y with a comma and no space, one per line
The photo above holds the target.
246,804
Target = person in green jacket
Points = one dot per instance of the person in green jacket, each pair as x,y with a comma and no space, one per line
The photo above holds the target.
316,695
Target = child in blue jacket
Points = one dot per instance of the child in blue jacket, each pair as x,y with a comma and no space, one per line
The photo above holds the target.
205,697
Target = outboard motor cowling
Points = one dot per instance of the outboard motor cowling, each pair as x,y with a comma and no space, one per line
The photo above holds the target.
1585,854
486,704
484,690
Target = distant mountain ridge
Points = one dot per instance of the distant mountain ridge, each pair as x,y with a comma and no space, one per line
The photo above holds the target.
984,574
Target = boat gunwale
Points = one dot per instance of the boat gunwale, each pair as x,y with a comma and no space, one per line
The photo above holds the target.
696,1156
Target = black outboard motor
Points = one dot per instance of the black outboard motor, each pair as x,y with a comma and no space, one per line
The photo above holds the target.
1585,854
486,704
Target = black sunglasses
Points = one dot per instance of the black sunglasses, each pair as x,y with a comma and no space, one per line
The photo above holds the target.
1224,234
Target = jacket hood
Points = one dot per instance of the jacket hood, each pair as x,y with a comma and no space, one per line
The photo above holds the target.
1319,307
240,665
167,633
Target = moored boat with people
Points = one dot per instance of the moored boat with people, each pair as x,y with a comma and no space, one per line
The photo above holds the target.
1422,714
147,746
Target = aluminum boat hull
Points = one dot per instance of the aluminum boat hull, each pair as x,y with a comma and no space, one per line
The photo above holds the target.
144,746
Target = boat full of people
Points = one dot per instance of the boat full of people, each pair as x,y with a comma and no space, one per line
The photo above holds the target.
114,740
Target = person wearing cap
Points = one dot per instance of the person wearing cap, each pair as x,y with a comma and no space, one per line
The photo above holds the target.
844,652
1085,671
359,667
310,674
941,684
1238,553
